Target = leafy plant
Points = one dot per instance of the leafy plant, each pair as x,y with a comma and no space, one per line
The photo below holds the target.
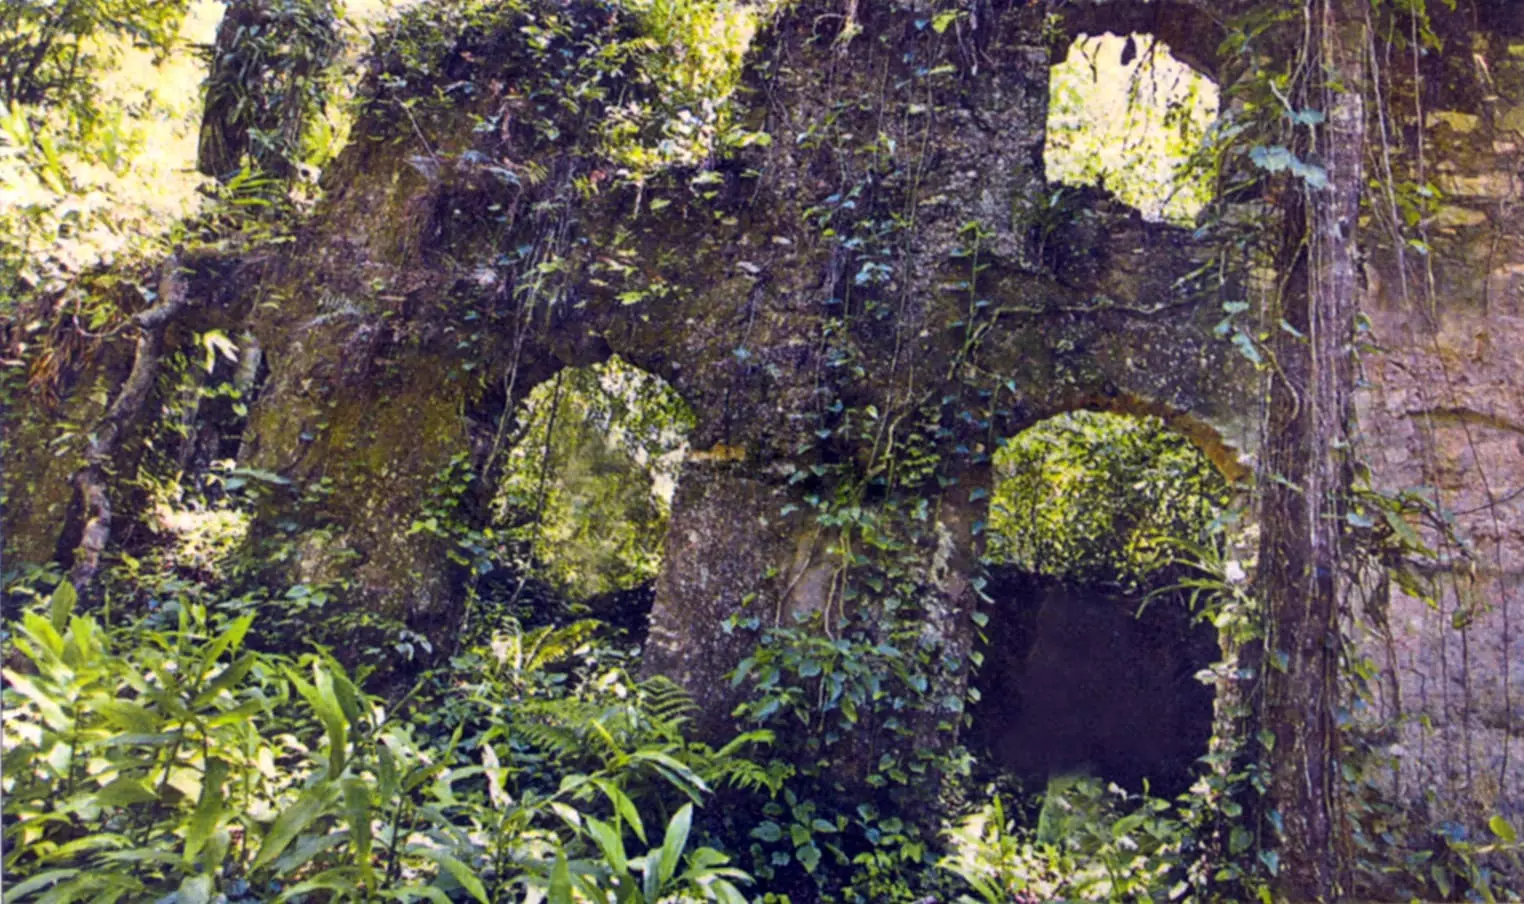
145,761
611,876
1092,843
1102,498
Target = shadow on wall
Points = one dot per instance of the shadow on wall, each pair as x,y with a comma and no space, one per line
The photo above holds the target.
1074,681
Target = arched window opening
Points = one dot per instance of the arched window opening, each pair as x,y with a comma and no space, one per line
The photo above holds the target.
586,491
1126,115
1091,655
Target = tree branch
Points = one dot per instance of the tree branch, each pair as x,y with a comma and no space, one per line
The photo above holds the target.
90,481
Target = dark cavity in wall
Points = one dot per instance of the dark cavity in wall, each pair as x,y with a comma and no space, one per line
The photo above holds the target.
1089,656
1075,680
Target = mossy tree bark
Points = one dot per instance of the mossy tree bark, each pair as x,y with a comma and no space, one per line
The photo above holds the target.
1306,458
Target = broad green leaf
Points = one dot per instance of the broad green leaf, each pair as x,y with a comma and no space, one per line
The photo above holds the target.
124,792
61,606
726,892
52,714
560,891
238,714
215,851
326,707
349,697
386,769
623,806
43,633
333,880
130,716
291,822
203,823
232,638
458,871
38,882
677,839
143,855
609,842
357,813
88,844
1503,829
431,892
650,867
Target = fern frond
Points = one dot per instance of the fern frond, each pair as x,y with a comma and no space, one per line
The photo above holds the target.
547,646
666,704
761,736
745,775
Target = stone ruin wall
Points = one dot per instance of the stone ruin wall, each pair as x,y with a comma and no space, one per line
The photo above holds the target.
1443,407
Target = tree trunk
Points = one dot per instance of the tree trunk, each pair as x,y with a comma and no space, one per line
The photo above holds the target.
1306,473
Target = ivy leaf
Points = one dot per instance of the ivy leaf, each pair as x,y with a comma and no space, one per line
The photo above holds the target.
1246,347
1271,159
809,857
1315,176
1239,840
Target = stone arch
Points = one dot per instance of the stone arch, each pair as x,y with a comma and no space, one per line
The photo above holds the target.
1192,28
584,485
1226,444
1127,115
1081,674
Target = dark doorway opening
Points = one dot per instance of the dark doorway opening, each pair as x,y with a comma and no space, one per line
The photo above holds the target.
1091,655
1076,681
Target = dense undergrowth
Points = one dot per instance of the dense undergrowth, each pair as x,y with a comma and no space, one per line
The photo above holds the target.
158,756
198,735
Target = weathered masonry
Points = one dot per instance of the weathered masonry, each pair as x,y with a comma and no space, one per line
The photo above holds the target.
740,292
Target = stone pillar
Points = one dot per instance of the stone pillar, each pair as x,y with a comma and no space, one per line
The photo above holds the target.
725,538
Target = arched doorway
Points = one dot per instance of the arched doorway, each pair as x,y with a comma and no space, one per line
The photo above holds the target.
1093,653
1125,115
583,494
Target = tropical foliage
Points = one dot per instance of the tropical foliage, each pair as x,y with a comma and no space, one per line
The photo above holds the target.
1103,498
215,721
163,757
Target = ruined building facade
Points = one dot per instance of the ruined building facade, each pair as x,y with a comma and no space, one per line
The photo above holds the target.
730,280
